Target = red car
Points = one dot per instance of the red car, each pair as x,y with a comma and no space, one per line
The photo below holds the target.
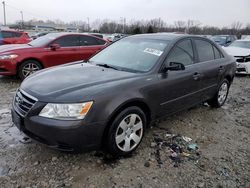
14,37
46,51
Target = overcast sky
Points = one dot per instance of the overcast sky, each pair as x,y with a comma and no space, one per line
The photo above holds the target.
209,12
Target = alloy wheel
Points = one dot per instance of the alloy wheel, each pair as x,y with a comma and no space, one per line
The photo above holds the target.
222,94
29,69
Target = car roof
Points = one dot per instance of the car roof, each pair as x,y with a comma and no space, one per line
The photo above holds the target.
248,39
160,36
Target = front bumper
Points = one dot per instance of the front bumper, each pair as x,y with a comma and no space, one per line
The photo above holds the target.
243,68
59,134
8,67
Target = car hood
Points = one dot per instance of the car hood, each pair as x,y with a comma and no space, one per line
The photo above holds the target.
237,51
53,83
11,47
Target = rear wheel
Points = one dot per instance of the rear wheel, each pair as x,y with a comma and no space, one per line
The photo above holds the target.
220,97
28,67
126,131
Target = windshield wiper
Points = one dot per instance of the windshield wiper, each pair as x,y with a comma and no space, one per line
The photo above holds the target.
107,66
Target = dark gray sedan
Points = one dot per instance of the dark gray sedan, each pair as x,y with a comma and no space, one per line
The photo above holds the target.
109,101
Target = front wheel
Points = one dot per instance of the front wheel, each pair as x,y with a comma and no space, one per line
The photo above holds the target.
220,97
126,131
27,68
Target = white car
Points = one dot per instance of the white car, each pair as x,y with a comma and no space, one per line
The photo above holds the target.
240,49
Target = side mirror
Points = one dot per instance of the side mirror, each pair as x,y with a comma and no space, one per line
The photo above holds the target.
229,41
174,66
55,46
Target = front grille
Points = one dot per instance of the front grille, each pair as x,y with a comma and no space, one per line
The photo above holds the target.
241,69
23,102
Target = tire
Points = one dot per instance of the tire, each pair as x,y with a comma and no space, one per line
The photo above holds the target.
221,95
27,68
125,134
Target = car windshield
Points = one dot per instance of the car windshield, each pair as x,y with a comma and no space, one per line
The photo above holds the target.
241,44
219,39
131,54
44,40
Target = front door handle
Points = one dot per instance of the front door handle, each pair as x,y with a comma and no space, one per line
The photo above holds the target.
196,76
221,68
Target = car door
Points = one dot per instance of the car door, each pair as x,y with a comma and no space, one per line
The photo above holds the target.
68,51
90,46
210,61
180,89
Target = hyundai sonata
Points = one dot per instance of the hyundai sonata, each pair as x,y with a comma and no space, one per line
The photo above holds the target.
110,100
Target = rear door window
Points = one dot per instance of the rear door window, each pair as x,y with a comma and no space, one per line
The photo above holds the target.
88,41
68,41
182,53
101,42
17,34
217,53
204,49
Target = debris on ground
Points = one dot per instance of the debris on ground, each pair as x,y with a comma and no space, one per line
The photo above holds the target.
178,148
147,164
192,147
25,140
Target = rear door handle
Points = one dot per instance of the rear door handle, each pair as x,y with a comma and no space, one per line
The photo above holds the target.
196,76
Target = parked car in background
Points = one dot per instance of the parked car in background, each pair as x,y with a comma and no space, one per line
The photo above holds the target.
14,37
223,40
240,49
109,38
111,100
46,51
1,39
245,37
35,36
114,37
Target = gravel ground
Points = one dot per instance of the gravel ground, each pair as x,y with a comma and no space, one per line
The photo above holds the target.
222,136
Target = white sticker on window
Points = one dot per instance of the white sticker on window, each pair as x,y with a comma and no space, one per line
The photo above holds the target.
153,51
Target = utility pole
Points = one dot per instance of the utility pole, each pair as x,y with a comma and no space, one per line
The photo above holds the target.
88,24
4,13
124,24
123,19
22,18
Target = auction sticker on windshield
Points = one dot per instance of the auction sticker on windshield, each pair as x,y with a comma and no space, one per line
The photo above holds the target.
153,51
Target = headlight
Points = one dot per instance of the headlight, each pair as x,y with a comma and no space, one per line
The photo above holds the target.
10,56
66,111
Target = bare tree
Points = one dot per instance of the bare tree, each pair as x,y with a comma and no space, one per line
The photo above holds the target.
180,25
192,25
236,26
142,26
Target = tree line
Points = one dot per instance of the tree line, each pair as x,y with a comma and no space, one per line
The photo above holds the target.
143,26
